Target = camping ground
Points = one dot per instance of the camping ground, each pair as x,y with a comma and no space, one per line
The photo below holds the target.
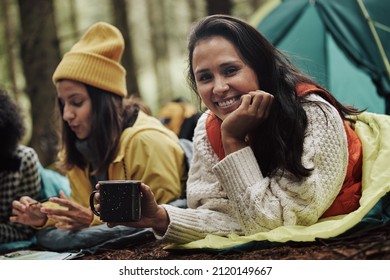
373,245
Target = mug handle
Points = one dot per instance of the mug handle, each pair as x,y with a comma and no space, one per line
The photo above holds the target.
92,203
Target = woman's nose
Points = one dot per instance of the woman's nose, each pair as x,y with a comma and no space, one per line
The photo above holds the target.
220,86
67,114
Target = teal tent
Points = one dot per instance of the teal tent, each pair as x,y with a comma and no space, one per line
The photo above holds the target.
343,44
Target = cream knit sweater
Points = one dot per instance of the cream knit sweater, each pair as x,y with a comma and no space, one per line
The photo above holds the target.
231,195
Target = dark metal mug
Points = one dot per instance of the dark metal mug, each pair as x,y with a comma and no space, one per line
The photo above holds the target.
120,201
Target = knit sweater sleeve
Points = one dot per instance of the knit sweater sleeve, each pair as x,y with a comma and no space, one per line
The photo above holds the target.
208,206
232,195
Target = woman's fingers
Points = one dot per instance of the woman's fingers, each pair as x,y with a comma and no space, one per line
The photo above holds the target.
261,103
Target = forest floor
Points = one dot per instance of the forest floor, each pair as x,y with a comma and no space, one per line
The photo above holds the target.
372,245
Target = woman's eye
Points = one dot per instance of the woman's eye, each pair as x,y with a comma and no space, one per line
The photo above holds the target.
230,70
77,103
204,77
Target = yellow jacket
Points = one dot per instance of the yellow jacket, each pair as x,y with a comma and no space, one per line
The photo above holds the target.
151,153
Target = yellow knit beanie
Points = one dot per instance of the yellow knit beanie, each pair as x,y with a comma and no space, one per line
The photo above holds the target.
95,60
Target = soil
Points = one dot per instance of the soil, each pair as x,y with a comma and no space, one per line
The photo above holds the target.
372,245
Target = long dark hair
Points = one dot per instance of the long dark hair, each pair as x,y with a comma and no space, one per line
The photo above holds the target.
111,114
278,141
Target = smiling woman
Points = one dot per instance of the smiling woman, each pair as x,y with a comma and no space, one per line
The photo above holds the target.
271,150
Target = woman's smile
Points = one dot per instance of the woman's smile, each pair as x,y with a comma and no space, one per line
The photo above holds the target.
227,102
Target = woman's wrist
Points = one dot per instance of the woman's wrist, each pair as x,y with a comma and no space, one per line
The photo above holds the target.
231,145
162,221
39,223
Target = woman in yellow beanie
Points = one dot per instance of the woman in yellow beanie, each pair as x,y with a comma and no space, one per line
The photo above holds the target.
105,136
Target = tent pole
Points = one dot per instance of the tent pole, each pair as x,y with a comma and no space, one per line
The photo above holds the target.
376,37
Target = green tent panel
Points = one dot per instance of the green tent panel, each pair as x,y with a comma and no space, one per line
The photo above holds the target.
332,41
363,94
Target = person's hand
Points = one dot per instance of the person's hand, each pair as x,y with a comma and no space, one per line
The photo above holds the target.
27,211
152,215
254,109
72,216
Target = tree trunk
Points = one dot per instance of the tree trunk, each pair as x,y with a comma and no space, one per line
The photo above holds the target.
219,7
10,46
159,36
120,17
40,55
73,20
197,9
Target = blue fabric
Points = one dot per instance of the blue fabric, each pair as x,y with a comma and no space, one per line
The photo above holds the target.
90,239
53,182
17,245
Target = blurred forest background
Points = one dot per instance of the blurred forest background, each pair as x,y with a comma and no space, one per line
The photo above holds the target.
36,33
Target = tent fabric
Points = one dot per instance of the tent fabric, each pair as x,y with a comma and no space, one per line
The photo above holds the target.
374,132
311,32
352,35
